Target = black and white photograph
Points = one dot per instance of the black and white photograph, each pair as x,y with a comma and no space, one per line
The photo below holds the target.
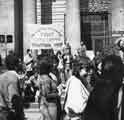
61,59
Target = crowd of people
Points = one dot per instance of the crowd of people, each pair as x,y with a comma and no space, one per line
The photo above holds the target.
66,87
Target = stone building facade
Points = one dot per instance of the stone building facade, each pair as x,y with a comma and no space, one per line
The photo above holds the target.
101,21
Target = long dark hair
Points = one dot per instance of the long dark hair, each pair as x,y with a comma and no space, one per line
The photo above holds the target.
112,69
103,99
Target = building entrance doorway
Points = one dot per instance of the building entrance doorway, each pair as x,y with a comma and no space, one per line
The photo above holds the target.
95,30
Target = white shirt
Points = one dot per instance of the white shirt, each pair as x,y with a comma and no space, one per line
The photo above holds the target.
8,87
77,95
27,59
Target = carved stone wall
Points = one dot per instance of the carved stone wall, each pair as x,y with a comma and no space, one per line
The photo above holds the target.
95,5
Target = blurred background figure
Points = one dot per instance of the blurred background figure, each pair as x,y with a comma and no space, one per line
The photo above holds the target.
28,61
97,61
83,59
60,66
11,59
83,46
67,58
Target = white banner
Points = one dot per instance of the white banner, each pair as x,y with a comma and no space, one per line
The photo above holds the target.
46,36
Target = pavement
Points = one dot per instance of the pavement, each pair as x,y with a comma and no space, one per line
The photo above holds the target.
32,113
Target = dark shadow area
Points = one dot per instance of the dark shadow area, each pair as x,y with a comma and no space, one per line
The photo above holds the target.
86,34
95,30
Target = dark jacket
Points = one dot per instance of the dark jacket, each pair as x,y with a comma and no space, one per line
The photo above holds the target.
102,103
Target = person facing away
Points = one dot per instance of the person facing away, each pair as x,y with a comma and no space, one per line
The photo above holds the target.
11,107
47,92
11,59
103,101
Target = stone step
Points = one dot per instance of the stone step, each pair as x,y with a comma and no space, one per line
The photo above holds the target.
32,112
32,105
33,116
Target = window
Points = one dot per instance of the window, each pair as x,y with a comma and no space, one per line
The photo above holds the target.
9,38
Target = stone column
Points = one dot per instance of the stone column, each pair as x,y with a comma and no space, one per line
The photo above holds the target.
29,17
72,24
118,15
29,11
118,22
18,27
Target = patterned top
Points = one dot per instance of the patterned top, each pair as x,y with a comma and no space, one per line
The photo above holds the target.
47,86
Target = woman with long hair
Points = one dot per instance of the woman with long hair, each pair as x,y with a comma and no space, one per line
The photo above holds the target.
103,100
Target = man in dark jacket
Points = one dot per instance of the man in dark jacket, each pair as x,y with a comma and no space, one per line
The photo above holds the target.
10,60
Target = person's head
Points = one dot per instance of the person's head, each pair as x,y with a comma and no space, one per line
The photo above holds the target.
58,54
82,43
44,67
29,52
122,43
68,73
78,51
86,75
54,62
67,49
83,73
11,52
82,51
86,69
112,69
79,70
13,64
68,70
36,74
97,53
75,57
